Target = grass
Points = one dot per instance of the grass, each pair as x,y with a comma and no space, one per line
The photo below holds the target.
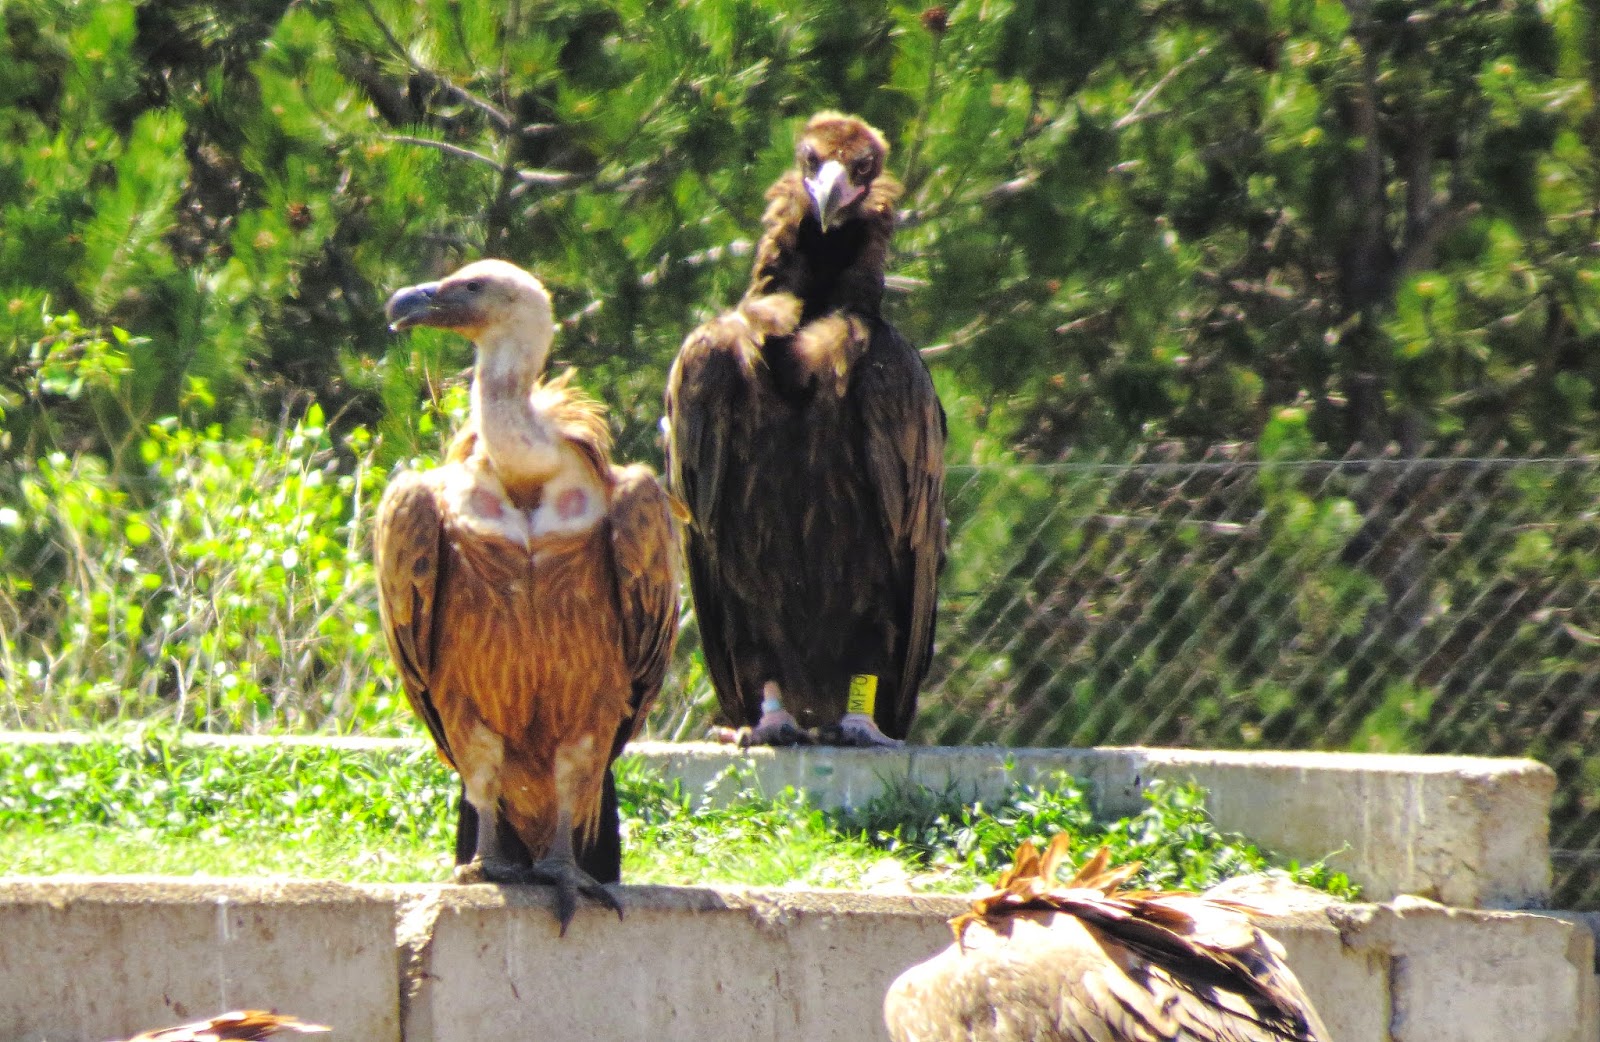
151,805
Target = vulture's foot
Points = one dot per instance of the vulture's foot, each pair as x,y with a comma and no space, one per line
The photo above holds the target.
491,869
779,728
857,730
569,881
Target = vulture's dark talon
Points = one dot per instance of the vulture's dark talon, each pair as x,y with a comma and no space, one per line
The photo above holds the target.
506,872
469,874
570,881
858,733
783,734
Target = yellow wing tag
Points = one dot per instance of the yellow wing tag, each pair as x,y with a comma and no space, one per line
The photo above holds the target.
863,694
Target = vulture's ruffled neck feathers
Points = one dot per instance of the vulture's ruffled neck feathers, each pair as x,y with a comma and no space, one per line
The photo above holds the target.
517,435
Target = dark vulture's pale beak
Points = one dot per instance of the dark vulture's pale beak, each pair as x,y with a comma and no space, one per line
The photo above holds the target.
413,306
831,191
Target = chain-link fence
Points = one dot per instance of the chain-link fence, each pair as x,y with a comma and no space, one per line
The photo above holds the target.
1443,604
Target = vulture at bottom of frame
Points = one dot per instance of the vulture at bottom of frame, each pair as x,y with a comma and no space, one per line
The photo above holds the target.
245,1025
1084,961
529,595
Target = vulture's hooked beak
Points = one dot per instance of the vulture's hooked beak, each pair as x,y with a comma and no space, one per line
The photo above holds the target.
831,191
413,306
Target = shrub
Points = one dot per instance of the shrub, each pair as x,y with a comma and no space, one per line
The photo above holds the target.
227,586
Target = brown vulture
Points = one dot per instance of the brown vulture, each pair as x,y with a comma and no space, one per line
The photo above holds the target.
1084,961
247,1025
529,595
807,441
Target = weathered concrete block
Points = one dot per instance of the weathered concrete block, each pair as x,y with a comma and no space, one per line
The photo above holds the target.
699,964
1471,832
82,960
687,964
1460,976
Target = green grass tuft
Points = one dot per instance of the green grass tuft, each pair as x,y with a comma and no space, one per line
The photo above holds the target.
151,805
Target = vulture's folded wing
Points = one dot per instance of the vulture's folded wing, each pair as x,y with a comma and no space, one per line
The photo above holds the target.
905,450
1053,978
705,387
644,550
249,1025
1035,985
409,552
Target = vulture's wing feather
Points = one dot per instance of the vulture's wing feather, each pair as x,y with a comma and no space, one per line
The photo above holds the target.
905,452
705,382
248,1025
1029,984
409,553
645,553
1054,978
1091,962
704,389
1228,978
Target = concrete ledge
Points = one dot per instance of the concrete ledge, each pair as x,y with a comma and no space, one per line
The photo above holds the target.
690,964
1469,832
83,960
1459,976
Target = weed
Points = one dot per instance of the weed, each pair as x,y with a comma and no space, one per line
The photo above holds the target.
151,804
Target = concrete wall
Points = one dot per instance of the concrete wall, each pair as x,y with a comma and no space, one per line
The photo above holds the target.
87,960
1469,832
82,961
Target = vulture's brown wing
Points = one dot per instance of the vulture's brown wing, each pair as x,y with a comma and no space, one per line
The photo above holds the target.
409,552
1055,986
247,1025
645,553
905,427
1054,978
706,386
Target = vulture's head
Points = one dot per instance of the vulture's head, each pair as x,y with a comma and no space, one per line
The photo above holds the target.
840,156
495,304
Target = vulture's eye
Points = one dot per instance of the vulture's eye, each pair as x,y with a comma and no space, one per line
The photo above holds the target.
863,167
474,286
809,159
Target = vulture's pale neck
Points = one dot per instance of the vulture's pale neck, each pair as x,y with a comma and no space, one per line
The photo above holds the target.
519,439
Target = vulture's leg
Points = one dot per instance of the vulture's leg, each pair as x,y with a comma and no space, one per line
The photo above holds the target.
776,726
500,856
602,857
857,729
466,828
559,868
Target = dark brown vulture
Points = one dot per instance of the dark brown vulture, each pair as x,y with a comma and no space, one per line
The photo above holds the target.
807,441
247,1025
529,596
1084,961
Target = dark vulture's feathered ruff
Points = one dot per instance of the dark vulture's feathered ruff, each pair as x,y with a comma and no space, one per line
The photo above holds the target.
807,441
1084,961
529,596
